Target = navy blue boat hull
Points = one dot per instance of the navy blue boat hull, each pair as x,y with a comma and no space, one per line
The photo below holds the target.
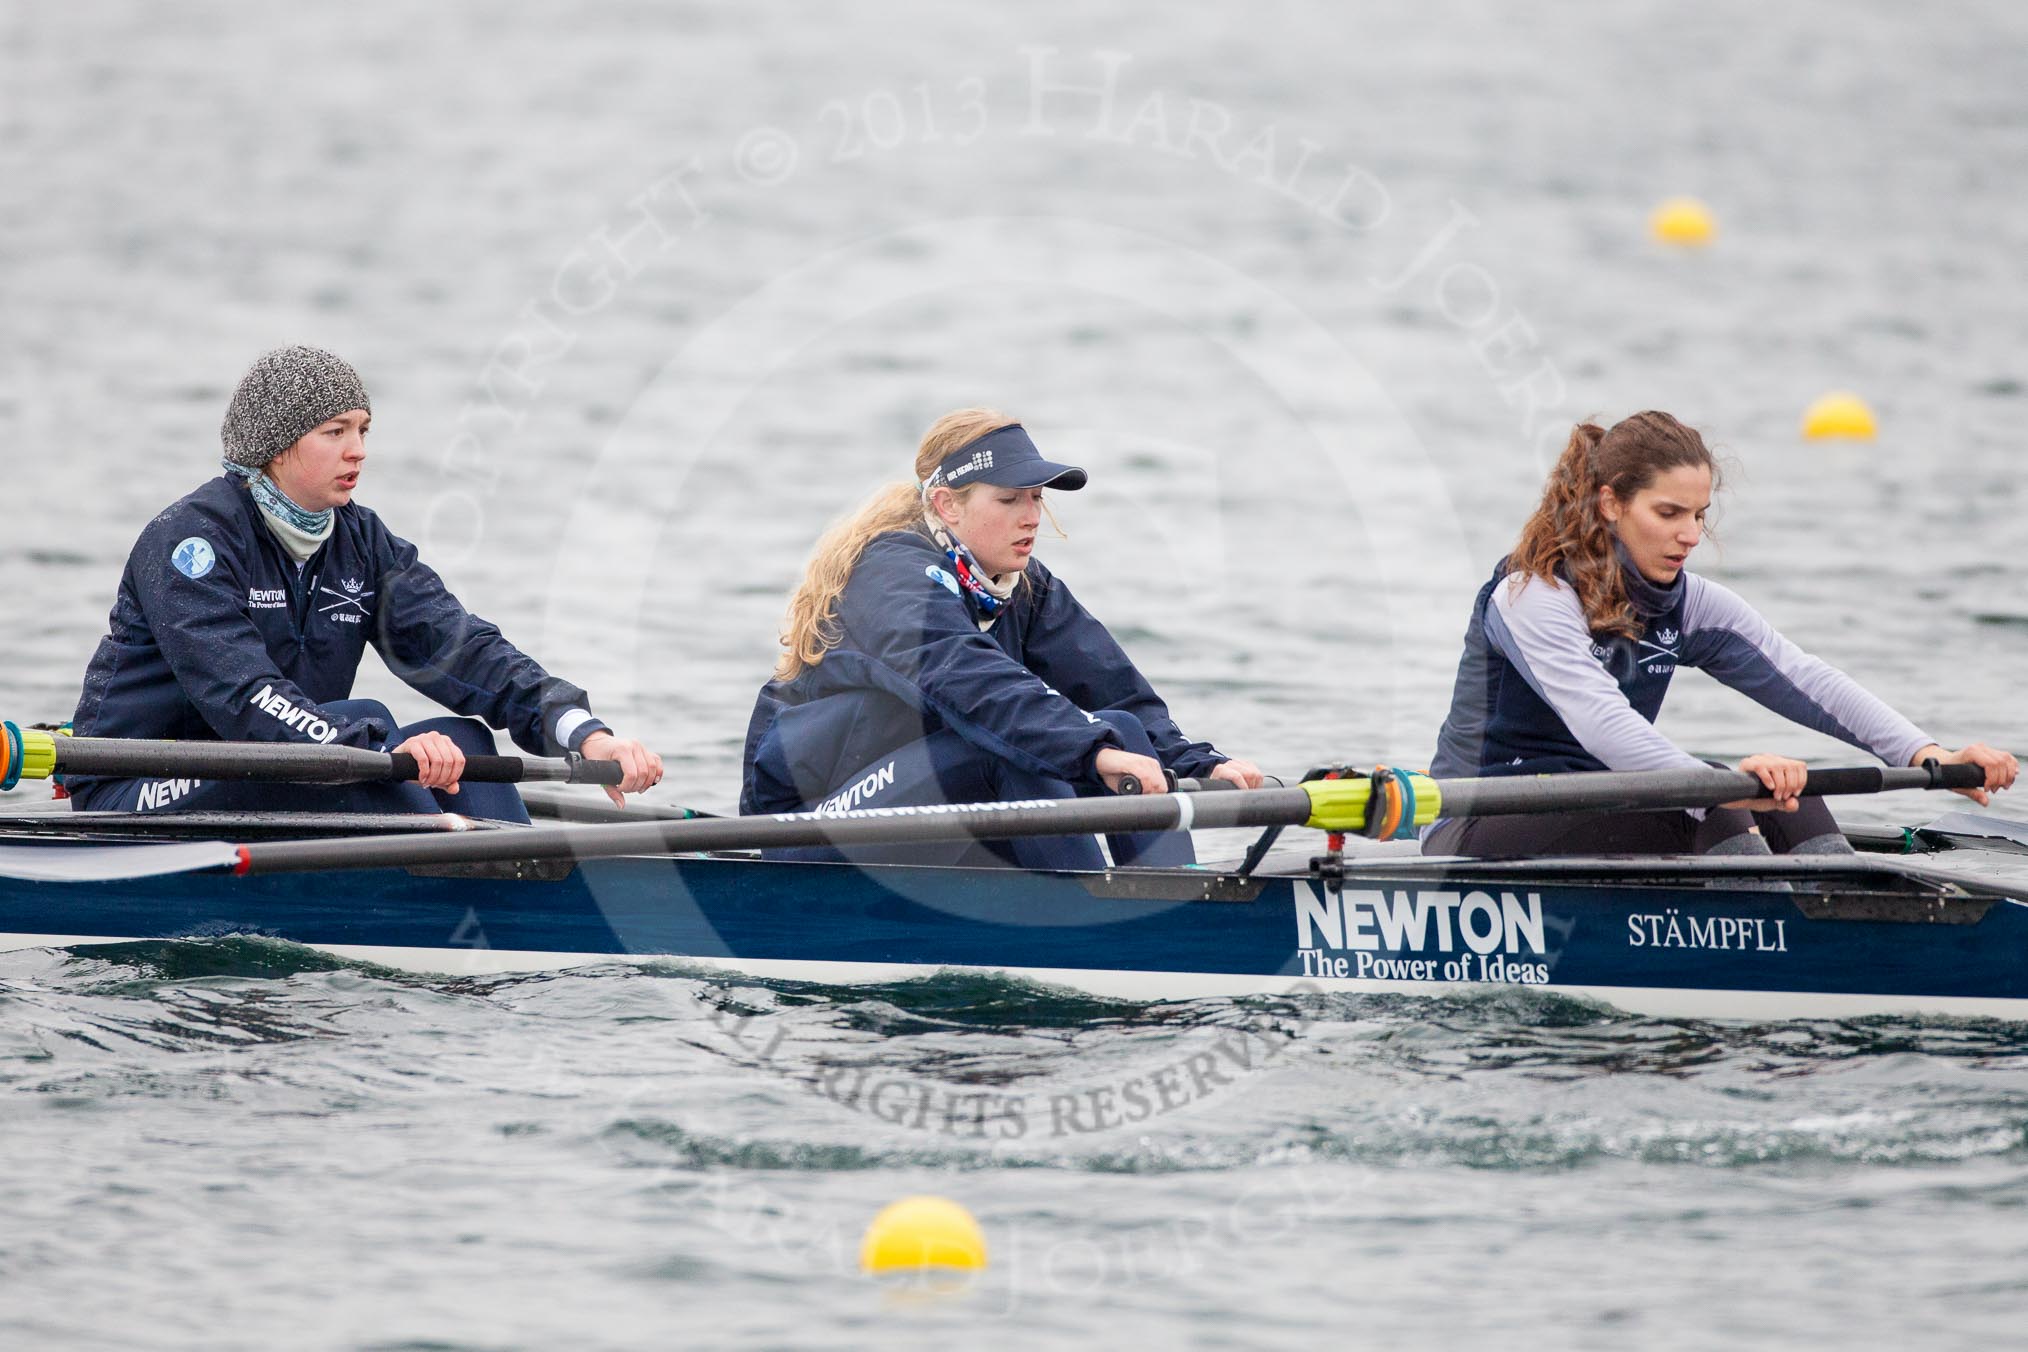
1691,950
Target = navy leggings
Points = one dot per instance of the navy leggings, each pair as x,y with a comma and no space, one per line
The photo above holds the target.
1810,829
945,768
498,801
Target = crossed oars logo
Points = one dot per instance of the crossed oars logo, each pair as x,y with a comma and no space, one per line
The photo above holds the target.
353,596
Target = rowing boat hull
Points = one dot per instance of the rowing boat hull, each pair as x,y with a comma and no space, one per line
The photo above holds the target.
1690,950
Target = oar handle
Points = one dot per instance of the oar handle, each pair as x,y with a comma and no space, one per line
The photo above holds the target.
1874,778
571,769
1130,785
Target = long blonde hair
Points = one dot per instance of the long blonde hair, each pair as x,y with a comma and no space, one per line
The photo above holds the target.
811,627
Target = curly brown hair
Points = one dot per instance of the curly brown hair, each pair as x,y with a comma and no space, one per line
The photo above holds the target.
1568,533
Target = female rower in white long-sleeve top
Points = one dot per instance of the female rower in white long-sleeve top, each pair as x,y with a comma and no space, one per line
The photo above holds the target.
1572,644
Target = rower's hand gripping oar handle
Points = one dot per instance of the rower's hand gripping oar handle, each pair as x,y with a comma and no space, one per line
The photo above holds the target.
571,769
1130,786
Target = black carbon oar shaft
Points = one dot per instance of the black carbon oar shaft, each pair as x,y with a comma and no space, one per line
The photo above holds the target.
290,763
1331,805
890,826
1661,790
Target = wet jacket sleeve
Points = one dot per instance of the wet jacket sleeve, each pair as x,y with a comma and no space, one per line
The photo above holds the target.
1728,638
925,636
1540,627
465,663
1077,655
217,654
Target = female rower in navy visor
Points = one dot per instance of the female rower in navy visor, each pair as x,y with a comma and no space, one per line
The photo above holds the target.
932,659
245,609
1572,644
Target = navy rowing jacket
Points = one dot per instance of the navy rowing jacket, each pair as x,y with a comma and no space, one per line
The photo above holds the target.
216,634
912,661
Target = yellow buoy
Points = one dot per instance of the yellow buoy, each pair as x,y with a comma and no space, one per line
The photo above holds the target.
1683,221
917,1233
1838,414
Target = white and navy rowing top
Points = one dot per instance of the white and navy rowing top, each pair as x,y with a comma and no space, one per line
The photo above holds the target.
1538,693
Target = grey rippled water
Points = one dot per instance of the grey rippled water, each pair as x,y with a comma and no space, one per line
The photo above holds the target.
268,1148
647,293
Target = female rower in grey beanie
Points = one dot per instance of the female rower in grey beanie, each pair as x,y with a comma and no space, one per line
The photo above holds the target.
246,607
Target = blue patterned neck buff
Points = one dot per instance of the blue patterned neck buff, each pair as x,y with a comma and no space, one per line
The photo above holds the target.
989,594
967,569
315,526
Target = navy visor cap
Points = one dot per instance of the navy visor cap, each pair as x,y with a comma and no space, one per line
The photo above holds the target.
1004,457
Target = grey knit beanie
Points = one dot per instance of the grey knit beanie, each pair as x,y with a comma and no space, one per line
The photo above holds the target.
282,397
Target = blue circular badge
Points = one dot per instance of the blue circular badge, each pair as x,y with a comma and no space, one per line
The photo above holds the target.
938,575
194,557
